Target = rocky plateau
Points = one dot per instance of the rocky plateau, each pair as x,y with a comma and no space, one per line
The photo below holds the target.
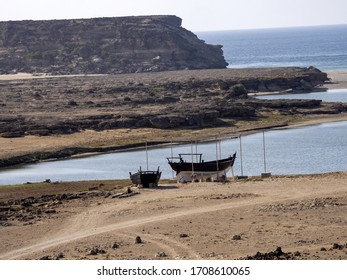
104,45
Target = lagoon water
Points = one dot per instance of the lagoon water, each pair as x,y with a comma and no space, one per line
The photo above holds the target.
313,149
335,95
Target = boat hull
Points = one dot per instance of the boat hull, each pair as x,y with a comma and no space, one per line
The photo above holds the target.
188,171
146,178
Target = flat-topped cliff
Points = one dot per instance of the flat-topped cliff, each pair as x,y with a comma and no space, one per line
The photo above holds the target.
104,45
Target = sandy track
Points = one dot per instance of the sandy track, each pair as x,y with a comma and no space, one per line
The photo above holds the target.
84,227
210,213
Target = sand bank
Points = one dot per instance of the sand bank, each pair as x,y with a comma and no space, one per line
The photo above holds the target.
338,79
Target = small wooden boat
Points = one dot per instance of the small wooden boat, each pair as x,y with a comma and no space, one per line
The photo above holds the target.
146,178
200,170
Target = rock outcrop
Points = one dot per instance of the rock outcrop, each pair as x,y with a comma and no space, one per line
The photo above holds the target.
104,45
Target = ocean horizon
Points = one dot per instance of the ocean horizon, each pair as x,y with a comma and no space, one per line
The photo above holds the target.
324,47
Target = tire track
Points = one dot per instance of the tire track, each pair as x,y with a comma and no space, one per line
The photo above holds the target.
92,222
65,237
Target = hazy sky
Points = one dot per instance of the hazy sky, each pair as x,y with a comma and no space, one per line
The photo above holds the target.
197,15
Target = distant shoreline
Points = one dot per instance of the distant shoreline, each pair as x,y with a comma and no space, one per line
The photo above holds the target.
338,79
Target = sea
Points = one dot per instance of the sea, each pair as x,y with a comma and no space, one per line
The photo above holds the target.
306,150
324,47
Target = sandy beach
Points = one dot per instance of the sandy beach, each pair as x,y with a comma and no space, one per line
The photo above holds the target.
338,79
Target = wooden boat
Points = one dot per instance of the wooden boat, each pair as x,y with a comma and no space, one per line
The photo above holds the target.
200,170
146,178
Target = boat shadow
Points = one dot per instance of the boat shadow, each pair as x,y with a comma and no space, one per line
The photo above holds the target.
161,187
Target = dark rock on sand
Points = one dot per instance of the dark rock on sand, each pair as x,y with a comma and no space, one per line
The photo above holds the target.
237,237
278,254
138,240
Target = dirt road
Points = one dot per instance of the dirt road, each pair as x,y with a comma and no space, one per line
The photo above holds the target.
194,221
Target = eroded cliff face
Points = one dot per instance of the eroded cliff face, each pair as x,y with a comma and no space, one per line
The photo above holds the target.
104,45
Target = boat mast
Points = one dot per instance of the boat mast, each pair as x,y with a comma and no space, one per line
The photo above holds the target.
220,146
241,155
217,159
191,150
146,156
264,151
172,158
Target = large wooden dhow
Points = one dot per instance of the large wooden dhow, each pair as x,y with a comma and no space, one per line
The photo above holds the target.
188,171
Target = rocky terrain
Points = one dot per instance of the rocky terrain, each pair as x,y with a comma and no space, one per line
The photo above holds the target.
104,45
166,101
32,209
194,99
